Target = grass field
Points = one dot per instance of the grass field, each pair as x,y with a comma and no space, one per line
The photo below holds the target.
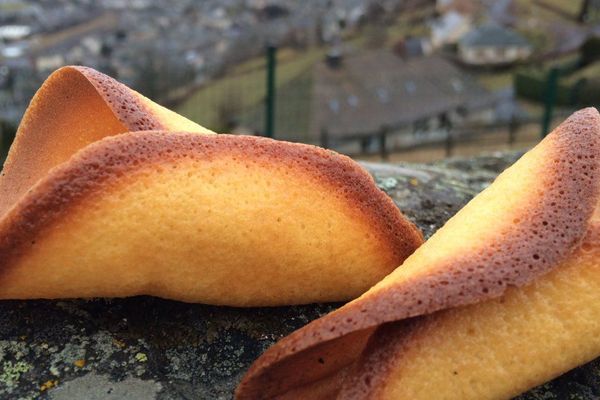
590,72
292,109
12,6
244,90
495,80
536,9
570,7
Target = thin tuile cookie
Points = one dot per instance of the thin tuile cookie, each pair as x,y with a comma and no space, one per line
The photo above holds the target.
108,208
496,349
153,210
528,221
74,107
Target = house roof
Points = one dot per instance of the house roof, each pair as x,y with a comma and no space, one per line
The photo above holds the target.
378,88
493,35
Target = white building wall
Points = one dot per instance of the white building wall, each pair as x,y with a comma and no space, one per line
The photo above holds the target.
482,55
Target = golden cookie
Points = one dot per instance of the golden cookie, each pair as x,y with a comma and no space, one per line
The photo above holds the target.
526,224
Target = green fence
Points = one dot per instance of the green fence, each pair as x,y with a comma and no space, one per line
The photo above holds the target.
239,98
577,84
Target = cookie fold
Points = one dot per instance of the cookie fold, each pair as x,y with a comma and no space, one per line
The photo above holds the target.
529,221
219,219
496,349
74,107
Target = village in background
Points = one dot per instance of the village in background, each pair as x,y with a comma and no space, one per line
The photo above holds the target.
401,80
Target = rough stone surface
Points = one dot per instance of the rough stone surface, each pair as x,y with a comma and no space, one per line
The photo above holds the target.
148,348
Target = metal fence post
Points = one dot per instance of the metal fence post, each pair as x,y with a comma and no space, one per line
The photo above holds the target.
270,95
364,144
382,146
324,138
549,100
448,144
444,120
513,126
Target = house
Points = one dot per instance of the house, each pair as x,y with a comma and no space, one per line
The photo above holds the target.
412,47
455,19
449,28
491,44
12,33
363,92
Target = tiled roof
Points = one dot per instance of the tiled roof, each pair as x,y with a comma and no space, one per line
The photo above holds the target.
377,88
492,35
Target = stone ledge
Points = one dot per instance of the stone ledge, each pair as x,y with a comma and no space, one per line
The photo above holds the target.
144,348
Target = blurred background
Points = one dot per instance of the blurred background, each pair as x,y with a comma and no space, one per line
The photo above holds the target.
410,80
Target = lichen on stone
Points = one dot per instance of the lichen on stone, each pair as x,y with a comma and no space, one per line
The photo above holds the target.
387,183
11,373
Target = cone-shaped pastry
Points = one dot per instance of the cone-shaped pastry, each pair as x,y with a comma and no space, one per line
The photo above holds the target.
75,107
491,350
220,219
531,219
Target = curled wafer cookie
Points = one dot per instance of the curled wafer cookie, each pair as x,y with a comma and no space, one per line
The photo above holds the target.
221,219
496,349
76,106
529,221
